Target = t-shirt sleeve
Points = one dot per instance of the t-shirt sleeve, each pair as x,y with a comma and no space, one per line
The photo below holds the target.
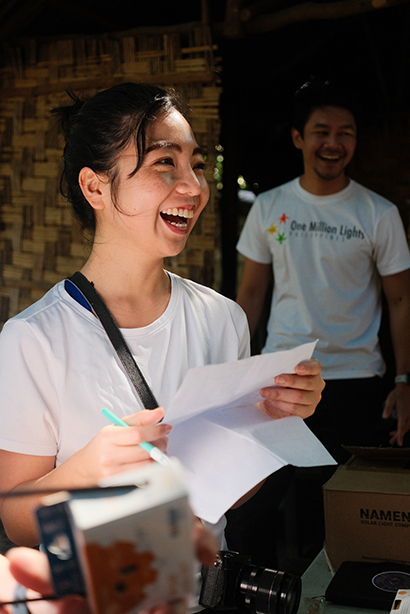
26,392
242,329
253,241
391,252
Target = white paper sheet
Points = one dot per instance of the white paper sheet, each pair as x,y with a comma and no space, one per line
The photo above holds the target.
224,442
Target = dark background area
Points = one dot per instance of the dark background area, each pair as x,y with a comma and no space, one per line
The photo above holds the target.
369,53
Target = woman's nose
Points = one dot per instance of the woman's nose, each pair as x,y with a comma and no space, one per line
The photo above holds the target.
189,183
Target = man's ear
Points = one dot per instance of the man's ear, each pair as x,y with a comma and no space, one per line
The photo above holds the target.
296,138
93,187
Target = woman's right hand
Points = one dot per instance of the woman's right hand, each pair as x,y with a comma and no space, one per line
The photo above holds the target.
115,449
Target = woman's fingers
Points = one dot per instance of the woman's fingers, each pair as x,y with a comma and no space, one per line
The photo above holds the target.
145,417
206,544
296,394
7,585
30,568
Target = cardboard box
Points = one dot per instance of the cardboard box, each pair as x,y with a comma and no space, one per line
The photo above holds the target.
367,508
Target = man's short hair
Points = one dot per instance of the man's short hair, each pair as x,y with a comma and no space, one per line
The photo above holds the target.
316,94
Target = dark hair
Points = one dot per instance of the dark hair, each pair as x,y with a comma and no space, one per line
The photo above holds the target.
316,94
98,128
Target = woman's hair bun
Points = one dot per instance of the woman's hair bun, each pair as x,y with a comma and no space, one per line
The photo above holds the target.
66,114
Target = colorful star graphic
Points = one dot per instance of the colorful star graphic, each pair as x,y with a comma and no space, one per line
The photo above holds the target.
283,218
272,229
281,238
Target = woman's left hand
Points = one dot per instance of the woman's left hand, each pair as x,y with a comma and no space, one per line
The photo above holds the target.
30,568
297,394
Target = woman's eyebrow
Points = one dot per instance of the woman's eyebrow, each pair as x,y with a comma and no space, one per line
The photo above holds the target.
199,150
171,145
163,145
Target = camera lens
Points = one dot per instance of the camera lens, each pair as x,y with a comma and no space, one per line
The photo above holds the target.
266,591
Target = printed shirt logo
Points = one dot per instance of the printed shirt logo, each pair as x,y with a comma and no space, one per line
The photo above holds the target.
280,230
274,229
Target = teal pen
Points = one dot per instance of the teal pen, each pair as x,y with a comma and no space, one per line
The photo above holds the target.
155,453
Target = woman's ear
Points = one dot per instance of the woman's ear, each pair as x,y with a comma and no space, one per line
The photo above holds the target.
93,187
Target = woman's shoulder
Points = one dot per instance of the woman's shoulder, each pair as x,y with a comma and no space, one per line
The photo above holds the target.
218,315
42,318
33,328
194,291
50,298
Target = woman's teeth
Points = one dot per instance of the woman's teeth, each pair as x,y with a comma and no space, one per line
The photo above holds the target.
177,216
186,213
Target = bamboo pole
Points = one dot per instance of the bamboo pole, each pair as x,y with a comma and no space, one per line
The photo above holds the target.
105,82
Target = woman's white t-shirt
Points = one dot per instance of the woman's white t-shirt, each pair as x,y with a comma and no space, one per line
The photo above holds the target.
58,368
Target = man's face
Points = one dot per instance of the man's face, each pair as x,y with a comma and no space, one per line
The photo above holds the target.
328,142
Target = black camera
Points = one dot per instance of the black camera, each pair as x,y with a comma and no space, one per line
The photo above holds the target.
234,583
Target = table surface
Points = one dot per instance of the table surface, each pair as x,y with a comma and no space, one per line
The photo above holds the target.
315,581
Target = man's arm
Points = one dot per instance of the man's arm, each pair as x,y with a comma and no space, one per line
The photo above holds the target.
252,290
397,290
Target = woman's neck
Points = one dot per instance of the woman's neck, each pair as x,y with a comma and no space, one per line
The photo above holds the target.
136,293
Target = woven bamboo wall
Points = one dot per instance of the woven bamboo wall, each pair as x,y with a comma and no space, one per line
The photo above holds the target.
40,242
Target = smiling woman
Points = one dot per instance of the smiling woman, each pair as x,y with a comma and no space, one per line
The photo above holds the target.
134,175
159,195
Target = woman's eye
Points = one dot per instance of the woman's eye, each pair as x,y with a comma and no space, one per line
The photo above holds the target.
165,161
200,166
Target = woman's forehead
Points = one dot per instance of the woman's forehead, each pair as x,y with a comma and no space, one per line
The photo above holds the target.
170,128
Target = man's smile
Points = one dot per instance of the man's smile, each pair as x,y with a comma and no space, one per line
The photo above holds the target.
329,157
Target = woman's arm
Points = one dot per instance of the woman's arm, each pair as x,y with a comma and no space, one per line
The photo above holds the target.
113,450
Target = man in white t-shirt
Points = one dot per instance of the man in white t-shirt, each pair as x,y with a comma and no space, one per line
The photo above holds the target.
332,246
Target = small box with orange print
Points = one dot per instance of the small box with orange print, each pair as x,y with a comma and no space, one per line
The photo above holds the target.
126,546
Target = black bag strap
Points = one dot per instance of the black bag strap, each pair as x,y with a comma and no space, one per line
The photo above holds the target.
116,338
